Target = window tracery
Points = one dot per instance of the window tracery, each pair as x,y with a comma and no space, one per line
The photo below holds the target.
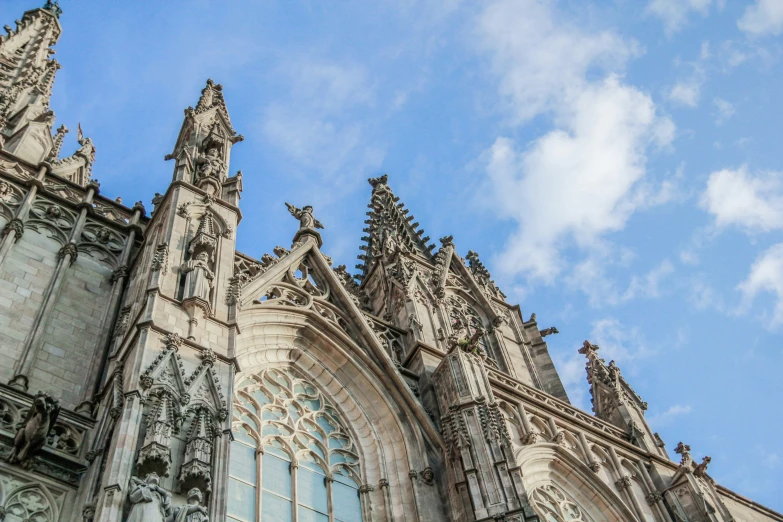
464,318
292,453
553,505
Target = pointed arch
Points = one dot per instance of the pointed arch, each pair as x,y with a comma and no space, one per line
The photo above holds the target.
545,465
389,442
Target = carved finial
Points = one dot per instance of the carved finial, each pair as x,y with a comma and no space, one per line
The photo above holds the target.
685,451
701,469
59,136
378,181
588,348
53,6
447,241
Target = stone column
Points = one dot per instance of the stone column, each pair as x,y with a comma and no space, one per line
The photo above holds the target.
99,359
121,458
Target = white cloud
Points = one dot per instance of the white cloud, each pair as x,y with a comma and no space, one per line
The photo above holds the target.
648,286
664,418
763,18
540,60
766,276
735,197
725,110
619,342
686,92
674,13
582,179
576,182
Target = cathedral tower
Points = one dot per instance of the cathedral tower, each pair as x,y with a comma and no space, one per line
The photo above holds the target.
151,372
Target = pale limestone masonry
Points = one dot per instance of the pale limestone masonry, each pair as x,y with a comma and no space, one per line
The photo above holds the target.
411,391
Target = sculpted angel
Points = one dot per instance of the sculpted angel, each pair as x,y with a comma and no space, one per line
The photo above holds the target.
305,217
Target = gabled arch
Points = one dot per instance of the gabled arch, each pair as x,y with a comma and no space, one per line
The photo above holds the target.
546,464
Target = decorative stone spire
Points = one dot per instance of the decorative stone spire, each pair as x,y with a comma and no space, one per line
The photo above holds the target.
615,401
482,276
77,167
26,83
389,226
203,148
196,468
59,136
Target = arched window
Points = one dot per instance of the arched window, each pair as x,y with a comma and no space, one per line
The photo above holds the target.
289,434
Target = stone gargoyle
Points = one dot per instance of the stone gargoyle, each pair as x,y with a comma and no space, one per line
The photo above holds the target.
33,431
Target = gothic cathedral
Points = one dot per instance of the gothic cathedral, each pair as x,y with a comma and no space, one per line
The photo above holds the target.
150,372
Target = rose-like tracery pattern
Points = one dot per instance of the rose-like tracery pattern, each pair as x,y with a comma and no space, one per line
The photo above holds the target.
305,445
553,505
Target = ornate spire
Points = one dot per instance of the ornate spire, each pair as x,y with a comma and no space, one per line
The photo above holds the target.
59,136
212,96
203,148
26,78
389,225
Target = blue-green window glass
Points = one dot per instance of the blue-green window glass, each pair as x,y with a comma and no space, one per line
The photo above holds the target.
242,483
290,417
346,503
276,500
311,488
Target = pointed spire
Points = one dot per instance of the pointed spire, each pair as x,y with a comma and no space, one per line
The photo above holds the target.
389,227
203,148
26,82
59,136
212,96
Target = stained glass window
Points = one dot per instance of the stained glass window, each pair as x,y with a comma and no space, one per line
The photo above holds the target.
303,441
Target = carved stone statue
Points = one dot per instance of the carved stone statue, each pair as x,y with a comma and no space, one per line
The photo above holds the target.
149,502
193,511
305,217
32,434
198,281
210,164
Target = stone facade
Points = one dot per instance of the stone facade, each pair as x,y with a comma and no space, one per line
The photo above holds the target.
149,371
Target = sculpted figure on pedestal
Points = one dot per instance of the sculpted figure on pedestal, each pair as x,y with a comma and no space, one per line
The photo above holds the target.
193,511
305,217
198,281
150,502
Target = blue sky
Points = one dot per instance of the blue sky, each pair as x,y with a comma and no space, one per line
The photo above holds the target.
617,164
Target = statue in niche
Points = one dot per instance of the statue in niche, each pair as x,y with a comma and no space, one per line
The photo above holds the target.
149,502
193,511
198,281
210,165
305,217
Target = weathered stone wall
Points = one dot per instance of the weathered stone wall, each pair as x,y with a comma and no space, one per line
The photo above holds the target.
24,277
